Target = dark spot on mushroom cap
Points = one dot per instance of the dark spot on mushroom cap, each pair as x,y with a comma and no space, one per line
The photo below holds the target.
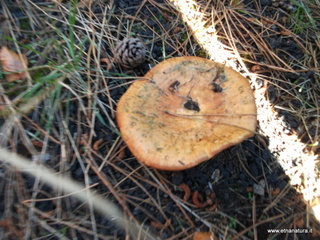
191,105
216,88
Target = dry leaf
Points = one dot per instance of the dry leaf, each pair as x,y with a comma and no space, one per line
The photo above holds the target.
286,33
299,223
14,64
187,191
276,191
106,61
96,144
37,143
204,236
256,68
84,3
236,3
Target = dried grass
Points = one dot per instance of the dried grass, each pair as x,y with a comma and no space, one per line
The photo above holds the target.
67,43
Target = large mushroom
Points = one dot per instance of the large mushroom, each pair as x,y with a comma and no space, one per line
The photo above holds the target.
184,111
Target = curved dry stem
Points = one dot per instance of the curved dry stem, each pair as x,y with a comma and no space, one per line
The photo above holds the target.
105,207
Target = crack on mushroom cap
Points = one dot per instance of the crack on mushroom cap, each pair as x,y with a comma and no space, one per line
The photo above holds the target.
166,133
174,86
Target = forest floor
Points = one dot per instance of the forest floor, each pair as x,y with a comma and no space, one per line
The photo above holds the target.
63,116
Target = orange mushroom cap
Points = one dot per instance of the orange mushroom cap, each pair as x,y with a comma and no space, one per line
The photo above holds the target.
184,111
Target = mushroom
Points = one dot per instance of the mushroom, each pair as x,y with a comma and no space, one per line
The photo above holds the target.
184,111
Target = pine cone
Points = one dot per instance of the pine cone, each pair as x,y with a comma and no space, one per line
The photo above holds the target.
130,52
